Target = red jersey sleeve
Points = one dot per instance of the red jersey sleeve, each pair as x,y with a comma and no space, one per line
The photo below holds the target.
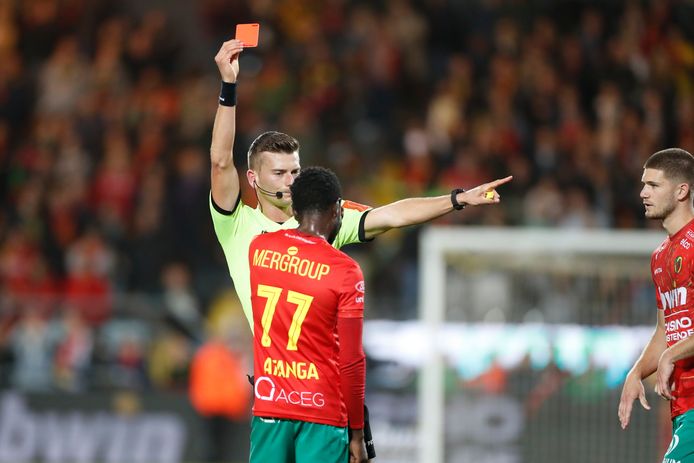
352,358
351,303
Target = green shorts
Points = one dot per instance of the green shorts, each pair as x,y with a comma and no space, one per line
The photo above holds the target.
275,440
681,449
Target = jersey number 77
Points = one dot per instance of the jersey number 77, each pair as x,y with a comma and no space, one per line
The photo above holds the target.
272,294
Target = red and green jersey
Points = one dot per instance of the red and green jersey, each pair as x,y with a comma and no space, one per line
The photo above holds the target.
300,287
672,268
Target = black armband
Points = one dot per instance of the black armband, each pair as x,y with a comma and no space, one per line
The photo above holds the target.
227,96
454,199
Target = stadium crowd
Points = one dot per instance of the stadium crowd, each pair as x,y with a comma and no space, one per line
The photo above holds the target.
110,273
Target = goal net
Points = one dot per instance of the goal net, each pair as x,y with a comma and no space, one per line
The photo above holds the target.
523,341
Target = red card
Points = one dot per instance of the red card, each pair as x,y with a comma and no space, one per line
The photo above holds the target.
248,34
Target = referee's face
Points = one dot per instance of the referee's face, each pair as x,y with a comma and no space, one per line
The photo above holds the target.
276,173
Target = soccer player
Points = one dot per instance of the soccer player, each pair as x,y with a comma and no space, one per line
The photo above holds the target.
308,308
273,163
668,180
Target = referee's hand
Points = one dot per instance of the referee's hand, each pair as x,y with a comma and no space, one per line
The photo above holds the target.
227,60
485,193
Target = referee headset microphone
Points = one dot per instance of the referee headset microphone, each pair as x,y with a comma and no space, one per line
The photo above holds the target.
276,194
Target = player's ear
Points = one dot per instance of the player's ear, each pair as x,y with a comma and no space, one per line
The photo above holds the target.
683,192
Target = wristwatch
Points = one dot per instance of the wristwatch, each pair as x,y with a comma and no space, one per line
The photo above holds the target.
454,199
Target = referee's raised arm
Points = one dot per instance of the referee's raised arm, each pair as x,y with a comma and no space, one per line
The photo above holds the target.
224,178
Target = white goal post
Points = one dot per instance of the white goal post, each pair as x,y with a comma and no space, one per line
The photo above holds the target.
438,242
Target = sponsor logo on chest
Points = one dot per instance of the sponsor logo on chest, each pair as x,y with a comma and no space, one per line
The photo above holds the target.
674,298
678,323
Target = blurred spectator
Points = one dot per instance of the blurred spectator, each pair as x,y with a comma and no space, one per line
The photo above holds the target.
114,185
32,346
90,263
27,277
123,354
62,79
73,352
188,192
169,361
218,387
149,245
180,302
129,368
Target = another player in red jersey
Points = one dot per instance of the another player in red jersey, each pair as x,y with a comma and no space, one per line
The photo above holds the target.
668,183
308,303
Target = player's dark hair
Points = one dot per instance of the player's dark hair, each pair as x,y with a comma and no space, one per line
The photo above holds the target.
316,189
676,163
274,142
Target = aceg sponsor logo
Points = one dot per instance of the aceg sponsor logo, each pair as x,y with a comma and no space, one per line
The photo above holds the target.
266,390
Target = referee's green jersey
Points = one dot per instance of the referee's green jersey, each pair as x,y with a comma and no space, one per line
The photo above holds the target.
236,229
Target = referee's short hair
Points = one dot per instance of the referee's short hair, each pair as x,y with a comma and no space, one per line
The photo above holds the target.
273,142
315,189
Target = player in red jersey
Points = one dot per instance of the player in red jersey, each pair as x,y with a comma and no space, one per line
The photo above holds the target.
308,305
668,182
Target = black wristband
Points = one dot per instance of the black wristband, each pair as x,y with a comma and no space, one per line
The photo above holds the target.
454,199
227,96
368,438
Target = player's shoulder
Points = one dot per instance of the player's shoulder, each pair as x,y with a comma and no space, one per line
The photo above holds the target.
269,236
660,248
687,240
351,272
343,259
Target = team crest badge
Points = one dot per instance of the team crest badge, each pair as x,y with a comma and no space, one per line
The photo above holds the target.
678,264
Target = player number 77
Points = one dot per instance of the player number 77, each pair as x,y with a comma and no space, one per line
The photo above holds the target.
272,294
